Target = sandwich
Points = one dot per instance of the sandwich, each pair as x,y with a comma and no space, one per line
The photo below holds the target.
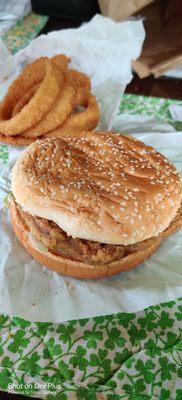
94,205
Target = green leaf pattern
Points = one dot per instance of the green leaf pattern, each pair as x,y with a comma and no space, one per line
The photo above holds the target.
151,106
4,154
131,356
25,29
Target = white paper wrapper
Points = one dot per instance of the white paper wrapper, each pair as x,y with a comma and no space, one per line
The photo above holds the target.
174,73
6,62
176,112
33,292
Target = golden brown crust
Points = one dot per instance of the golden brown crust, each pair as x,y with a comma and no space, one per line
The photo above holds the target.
32,74
82,85
33,112
85,120
57,114
16,140
74,268
28,110
102,187
25,99
61,61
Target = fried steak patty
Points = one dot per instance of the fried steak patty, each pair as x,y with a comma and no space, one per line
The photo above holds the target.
94,253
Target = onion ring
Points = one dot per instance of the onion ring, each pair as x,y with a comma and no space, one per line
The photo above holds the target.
58,113
43,100
18,140
37,107
24,100
61,61
81,121
32,74
82,85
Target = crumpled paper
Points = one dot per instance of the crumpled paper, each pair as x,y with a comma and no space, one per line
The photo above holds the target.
7,66
176,112
35,293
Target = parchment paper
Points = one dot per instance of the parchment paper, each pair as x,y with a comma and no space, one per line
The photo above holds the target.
35,293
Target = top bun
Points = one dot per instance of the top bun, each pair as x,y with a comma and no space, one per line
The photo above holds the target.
103,187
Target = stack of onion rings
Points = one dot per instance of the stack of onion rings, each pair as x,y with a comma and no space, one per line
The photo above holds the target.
44,101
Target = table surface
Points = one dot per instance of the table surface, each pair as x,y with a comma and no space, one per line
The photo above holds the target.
160,87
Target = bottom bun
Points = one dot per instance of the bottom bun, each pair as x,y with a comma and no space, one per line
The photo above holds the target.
73,268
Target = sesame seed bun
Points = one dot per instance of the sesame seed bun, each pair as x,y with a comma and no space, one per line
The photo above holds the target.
101,187
75,268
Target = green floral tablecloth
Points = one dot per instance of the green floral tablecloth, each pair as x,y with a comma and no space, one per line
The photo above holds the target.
150,106
24,31
131,356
